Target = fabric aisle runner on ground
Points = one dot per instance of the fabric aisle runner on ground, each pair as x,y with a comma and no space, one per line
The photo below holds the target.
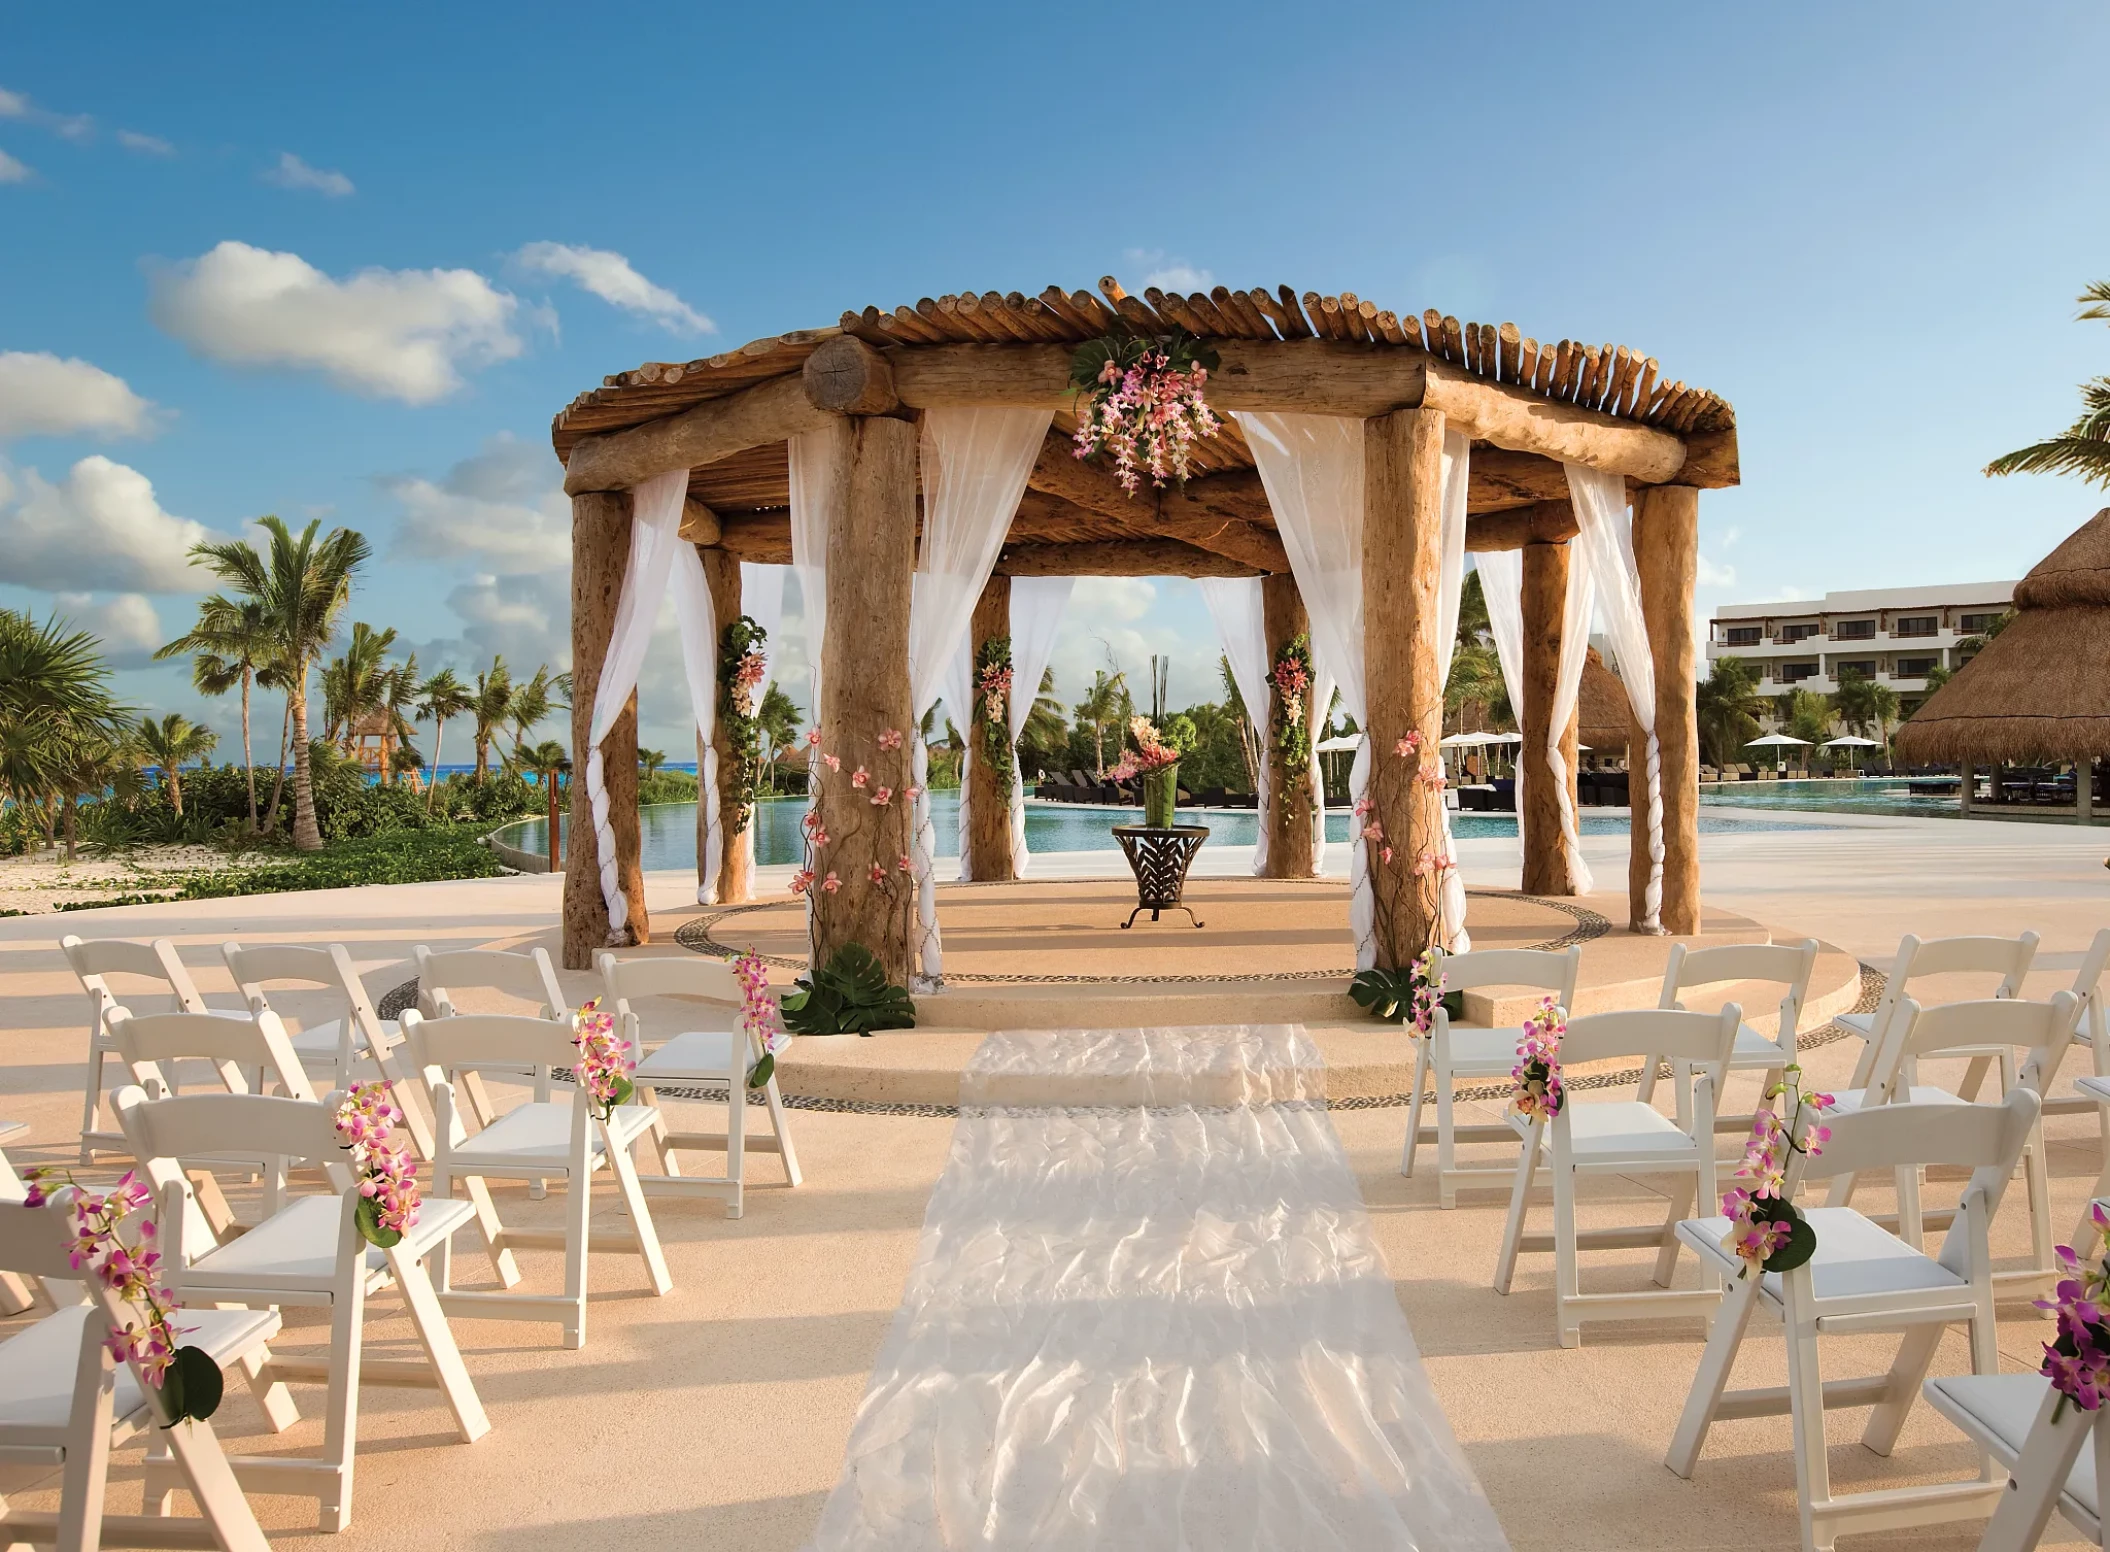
1148,1311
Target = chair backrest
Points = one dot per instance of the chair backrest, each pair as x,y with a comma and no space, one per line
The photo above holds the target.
148,1039
2087,985
36,1242
713,980
2040,1028
1787,965
1550,970
1704,1039
256,967
528,976
2008,958
443,1046
95,960
194,1125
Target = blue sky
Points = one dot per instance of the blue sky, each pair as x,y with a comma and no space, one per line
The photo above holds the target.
349,264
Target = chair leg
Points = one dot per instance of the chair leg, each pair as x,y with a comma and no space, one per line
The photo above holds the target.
1915,1356
578,1213
1813,1478
502,1261
669,1158
633,1194
1446,1139
1712,1377
1680,1209
1513,1230
340,1433
1646,1093
1421,1078
270,1395
212,1483
780,1123
437,1338
1911,1226
1567,1270
92,1097
87,1473
736,1144
2036,1172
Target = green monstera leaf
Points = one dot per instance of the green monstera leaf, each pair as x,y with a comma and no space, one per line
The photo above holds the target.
848,995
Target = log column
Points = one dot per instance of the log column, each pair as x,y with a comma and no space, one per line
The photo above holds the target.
989,793
721,573
1402,559
1289,815
600,551
1545,605
865,693
1667,554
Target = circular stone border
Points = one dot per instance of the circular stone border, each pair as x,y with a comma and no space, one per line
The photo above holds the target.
696,936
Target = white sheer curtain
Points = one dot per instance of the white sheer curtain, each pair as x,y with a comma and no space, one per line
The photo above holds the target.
1502,585
656,554
1322,691
1236,606
958,694
815,456
1450,584
1607,543
1037,607
1312,469
762,600
975,463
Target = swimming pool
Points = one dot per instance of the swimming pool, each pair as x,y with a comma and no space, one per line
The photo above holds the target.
1889,795
669,829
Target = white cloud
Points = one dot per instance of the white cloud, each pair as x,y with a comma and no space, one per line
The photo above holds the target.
1730,536
506,506
12,171
1170,274
42,395
1713,574
293,173
146,145
13,105
73,126
401,334
527,618
127,624
610,277
99,530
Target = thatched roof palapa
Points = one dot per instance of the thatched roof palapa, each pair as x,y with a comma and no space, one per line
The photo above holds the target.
1604,720
2040,690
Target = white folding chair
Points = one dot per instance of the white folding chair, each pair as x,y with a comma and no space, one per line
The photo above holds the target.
2087,985
1786,965
1448,1055
2038,1031
528,977
18,1292
2008,958
538,1140
331,1047
1864,1279
1621,1137
66,1403
2054,1456
308,1253
722,1054
94,962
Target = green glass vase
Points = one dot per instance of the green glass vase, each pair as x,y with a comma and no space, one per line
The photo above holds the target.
1161,795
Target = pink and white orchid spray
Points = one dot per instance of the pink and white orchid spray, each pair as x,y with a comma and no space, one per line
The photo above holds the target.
1767,1231
2077,1360
605,1061
760,1016
365,1121
1427,980
1538,1090
125,1261
1145,404
1151,752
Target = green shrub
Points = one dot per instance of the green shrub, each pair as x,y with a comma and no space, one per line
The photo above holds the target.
393,857
667,787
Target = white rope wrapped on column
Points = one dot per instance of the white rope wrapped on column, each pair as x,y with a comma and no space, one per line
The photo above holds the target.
931,943
713,826
1362,897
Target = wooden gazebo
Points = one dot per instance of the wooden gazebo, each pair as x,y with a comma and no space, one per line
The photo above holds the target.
1527,407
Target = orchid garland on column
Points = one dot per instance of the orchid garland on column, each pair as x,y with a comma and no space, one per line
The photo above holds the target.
1291,678
605,1062
2077,1360
992,705
1538,1090
1766,1230
186,1381
741,667
759,1016
1145,404
365,1120
1423,873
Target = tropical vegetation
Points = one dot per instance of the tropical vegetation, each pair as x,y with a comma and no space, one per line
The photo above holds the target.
2083,448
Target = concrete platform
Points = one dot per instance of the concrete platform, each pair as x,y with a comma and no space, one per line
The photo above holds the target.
1053,955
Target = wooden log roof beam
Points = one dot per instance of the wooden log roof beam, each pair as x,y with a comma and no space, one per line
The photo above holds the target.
1189,516
1543,522
1118,558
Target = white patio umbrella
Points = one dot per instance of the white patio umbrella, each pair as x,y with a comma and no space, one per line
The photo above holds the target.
1779,741
1850,742
1339,744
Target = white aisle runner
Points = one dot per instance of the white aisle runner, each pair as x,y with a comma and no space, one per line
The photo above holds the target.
1148,1312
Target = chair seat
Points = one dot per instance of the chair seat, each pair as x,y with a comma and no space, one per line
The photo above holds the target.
2097,1089
540,1133
321,1039
1998,1410
1851,1100
1483,1053
1614,1129
700,1054
1862,1024
1854,1256
297,1245
37,1366
1753,1049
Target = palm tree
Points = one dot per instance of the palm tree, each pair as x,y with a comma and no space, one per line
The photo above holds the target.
1046,726
1866,707
778,719
1104,705
1805,714
170,744
94,762
440,699
55,709
546,762
355,683
649,761
303,586
1729,706
399,704
229,646
492,706
532,703
2084,447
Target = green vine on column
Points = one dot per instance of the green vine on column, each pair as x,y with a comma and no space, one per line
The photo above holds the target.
740,669
1289,731
992,705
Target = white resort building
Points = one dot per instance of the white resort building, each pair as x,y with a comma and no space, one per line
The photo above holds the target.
1893,635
